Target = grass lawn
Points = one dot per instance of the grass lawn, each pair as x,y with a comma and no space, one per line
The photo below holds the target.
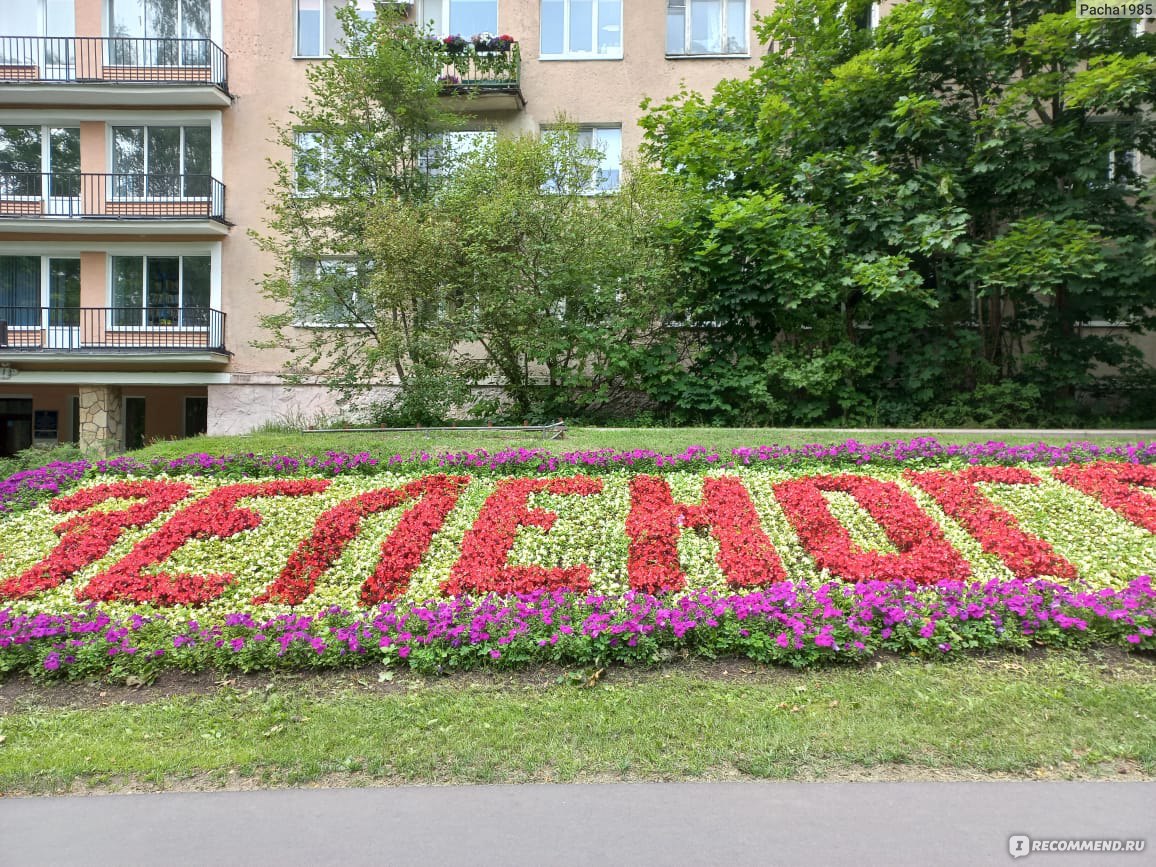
577,439
1053,715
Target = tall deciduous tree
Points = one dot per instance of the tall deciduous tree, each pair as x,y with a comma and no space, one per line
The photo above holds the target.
358,144
887,217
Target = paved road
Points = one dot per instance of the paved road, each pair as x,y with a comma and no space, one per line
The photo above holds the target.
647,824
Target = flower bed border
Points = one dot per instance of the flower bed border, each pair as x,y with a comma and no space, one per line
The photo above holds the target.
790,623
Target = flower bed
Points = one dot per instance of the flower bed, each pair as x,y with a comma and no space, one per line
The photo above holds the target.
789,555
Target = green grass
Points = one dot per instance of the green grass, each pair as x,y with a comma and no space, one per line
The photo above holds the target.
1058,714
661,439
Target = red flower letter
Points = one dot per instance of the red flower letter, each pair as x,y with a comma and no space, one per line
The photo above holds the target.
994,528
746,556
84,539
482,567
214,516
925,556
1111,484
400,553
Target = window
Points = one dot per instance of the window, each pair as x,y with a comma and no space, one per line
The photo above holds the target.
51,18
461,17
706,27
450,148
606,169
161,291
29,153
332,292
161,161
312,164
177,32
319,31
20,290
30,283
582,28
1123,166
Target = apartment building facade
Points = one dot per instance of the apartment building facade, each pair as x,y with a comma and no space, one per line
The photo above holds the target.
134,145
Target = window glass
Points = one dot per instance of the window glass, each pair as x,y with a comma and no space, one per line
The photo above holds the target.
468,17
609,26
64,293
64,149
198,161
706,27
581,26
20,289
553,26
309,28
20,18
127,290
161,19
196,416
676,27
163,289
19,149
309,159
134,422
736,27
195,291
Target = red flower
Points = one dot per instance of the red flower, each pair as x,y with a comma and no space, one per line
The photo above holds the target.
746,556
84,539
214,516
994,528
483,566
1111,483
925,556
400,553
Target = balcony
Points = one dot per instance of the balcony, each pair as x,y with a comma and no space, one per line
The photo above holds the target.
59,70
82,203
476,80
158,333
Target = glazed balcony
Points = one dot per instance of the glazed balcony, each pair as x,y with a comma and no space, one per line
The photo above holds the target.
184,333
58,70
479,80
83,202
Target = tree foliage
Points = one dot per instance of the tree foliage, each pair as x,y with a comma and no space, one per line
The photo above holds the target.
946,205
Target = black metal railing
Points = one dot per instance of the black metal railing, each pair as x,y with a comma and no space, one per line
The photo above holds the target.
471,70
113,59
157,328
111,196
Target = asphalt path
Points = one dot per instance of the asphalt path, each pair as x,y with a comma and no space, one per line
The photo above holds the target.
647,823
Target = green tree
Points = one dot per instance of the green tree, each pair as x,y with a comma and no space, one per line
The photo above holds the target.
554,292
358,144
887,217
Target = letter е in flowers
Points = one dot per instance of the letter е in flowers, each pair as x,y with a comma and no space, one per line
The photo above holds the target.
483,566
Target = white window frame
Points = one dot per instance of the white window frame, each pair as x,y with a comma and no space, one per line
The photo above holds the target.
45,156
216,20
323,36
112,197
437,146
687,4
352,266
444,16
161,254
44,277
594,54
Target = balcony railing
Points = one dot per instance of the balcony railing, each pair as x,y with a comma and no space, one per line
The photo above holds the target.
25,195
471,71
101,330
116,60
